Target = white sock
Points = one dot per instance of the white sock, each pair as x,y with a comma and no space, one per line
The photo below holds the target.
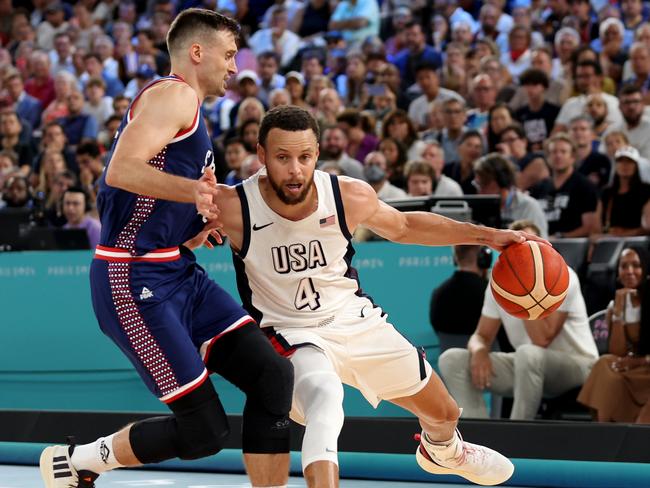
443,449
98,456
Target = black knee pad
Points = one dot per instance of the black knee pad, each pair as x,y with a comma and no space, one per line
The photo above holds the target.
198,428
246,358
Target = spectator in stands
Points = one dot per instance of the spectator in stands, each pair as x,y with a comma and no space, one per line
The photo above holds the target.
295,85
329,107
248,132
268,63
501,78
8,166
618,388
568,198
537,116
315,86
483,93
11,130
40,84
64,83
454,117
455,306
277,37
613,54
17,193
499,118
352,85
61,55
91,168
76,206
453,74
356,20
106,136
640,67
625,209
95,69
589,162
517,58
398,125
417,51
588,80
360,140
236,152
53,24
279,96
419,179
496,175
104,47
541,59
427,79
54,139
27,107
596,108
146,46
552,356
375,170
121,105
613,141
462,170
443,186
396,159
531,166
98,104
77,125
635,124
333,146
390,76
312,18
250,108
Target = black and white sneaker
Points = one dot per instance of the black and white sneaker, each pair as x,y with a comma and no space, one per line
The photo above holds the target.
58,472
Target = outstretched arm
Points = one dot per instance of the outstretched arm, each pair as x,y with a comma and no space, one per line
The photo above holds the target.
362,207
159,114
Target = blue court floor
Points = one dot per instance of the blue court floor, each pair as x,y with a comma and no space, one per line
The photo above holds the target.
29,477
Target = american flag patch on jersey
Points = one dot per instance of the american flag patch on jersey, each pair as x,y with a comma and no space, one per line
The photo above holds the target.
331,220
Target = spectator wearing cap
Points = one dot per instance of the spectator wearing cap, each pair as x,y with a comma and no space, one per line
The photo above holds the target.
537,116
427,79
54,23
40,84
375,170
334,142
143,75
625,209
295,85
268,64
95,69
568,198
276,37
356,20
312,18
589,161
496,175
417,51
635,124
27,107
247,86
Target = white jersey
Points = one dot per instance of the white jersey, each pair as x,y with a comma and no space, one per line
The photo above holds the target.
295,273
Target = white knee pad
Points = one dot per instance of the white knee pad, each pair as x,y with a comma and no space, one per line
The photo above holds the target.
318,399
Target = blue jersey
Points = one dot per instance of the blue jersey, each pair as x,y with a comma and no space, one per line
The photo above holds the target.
141,224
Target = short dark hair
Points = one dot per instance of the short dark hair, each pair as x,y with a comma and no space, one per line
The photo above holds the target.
534,76
269,55
90,148
425,66
350,116
516,128
233,140
419,168
195,21
77,189
598,69
629,89
495,167
468,134
289,118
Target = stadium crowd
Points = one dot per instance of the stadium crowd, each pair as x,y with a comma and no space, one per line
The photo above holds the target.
541,102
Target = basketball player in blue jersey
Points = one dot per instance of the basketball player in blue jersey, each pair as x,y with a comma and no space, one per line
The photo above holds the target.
153,300
290,228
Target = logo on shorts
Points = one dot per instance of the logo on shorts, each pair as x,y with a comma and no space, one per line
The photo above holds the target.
146,293
281,425
104,452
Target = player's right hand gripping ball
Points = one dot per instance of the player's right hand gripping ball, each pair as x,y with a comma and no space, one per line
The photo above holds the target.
530,280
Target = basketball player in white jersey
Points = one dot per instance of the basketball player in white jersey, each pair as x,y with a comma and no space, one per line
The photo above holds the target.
290,228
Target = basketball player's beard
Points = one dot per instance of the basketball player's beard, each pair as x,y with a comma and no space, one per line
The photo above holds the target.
289,200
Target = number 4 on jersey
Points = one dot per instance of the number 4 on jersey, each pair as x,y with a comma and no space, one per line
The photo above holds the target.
307,296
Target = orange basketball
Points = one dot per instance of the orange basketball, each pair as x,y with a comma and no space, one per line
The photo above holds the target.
530,280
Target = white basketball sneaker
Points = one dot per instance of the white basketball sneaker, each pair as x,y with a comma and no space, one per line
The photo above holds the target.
478,464
58,472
